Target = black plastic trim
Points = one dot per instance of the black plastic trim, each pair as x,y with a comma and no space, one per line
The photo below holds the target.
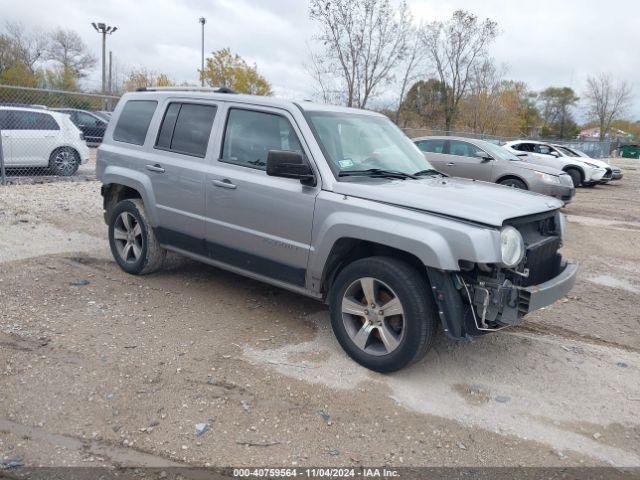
233,257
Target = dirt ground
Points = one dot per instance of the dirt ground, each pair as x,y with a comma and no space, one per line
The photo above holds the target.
98,367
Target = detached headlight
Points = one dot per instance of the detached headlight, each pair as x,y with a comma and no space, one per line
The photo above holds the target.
512,246
547,178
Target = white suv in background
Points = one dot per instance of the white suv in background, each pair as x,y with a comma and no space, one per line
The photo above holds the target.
36,138
582,172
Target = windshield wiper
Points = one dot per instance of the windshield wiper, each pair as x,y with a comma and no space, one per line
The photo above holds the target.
377,173
430,171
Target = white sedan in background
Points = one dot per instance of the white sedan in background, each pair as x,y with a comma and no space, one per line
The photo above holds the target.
583,171
37,138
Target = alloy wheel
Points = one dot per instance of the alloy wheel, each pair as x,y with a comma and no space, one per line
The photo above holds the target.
373,316
127,234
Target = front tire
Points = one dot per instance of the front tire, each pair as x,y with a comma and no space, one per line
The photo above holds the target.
575,175
64,161
383,313
133,242
514,183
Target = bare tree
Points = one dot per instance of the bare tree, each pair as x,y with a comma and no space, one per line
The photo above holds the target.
410,65
362,41
606,101
454,48
26,47
67,48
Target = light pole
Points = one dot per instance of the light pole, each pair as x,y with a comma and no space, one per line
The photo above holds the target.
105,30
202,22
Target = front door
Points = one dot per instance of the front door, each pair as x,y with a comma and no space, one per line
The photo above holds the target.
463,161
255,222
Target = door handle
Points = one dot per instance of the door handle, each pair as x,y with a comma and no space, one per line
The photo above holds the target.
226,183
451,164
155,168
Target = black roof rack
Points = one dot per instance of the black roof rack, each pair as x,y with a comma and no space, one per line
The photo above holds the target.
187,89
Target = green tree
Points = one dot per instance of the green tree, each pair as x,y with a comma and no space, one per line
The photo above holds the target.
225,69
424,104
557,104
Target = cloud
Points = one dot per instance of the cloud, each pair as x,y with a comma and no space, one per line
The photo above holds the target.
544,43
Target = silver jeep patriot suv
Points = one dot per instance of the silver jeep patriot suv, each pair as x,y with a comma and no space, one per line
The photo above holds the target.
333,203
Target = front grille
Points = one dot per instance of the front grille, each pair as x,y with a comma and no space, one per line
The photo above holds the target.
541,236
543,261
608,174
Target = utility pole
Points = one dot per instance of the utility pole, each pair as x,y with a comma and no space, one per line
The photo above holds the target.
202,22
105,30
110,72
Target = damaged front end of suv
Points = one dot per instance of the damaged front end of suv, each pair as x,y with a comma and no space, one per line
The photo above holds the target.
485,297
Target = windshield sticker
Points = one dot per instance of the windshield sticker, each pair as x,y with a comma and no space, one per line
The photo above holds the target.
346,163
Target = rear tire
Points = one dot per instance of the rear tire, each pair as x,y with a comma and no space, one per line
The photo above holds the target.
513,183
133,242
575,175
64,161
383,313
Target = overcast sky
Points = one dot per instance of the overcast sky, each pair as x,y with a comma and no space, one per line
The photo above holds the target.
543,42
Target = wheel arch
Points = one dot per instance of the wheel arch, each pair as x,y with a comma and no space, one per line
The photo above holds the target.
513,176
117,187
348,249
575,167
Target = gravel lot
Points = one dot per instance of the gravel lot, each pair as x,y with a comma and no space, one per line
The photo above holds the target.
101,368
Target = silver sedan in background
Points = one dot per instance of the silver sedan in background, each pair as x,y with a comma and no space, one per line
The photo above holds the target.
481,160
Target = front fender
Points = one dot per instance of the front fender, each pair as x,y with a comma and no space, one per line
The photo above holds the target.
438,242
116,175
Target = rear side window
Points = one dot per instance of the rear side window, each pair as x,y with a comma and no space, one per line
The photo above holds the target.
433,146
4,119
134,121
186,128
19,120
250,135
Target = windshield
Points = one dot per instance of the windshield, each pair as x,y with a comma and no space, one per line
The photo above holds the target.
566,151
355,142
498,152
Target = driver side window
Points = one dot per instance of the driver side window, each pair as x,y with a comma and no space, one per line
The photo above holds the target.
249,135
543,149
462,149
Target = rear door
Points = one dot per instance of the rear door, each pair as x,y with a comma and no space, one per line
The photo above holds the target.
177,169
434,151
5,136
463,162
255,222
33,137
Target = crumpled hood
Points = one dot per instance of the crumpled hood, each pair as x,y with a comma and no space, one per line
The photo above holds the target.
480,202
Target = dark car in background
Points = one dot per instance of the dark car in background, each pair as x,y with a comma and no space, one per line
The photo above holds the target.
91,125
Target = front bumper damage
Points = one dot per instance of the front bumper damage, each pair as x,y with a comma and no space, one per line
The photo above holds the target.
472,309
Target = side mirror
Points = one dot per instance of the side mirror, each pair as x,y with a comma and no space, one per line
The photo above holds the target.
287,164
484,156
555,154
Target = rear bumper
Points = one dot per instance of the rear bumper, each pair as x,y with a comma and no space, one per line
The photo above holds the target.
546,293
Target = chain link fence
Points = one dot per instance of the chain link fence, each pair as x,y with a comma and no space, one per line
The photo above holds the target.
50,135
592,147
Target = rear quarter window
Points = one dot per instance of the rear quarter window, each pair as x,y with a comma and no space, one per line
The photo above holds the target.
134,121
